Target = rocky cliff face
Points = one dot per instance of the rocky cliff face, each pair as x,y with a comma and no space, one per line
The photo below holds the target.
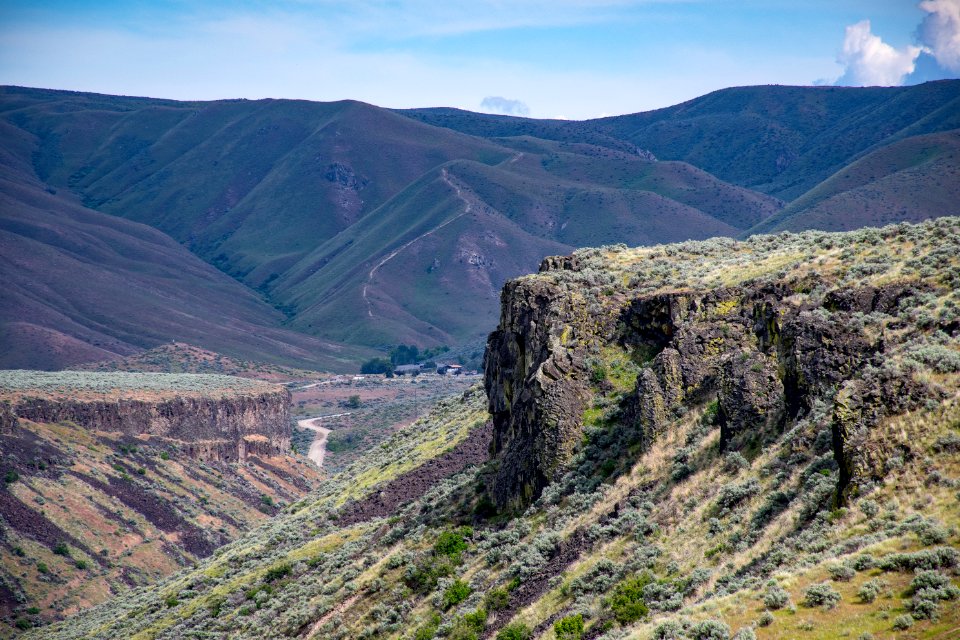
769,351
224,429
534,385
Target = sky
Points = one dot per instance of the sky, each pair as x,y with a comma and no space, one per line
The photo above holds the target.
572,59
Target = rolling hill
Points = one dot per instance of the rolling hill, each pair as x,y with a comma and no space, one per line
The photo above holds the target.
114,480
774,139
80,286
909,180
374,227
359,223
456,235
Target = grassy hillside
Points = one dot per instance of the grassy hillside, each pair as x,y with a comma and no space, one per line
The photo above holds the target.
910,180
90,512
778,140
301,200
250,186
676,536
262,565
129,513
178,357
83,286
85,385
784,140
429,264
347,218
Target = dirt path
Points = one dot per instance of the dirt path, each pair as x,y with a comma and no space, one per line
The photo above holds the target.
319,445
337,610
468,206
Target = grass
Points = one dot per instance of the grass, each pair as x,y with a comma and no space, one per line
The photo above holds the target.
906,180
184,358
419,445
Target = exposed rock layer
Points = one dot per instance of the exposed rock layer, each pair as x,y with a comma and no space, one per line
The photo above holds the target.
224,429
765,352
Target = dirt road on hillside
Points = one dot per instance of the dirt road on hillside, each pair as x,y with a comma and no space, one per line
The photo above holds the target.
468,207
319,445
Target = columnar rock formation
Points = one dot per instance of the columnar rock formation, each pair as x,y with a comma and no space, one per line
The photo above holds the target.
225,429
766,351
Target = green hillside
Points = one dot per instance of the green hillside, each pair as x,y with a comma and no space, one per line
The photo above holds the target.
300,201
250,186
83,286
911,179
694,485
437,266
347,217
774,139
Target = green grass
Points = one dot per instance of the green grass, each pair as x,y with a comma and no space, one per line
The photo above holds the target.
910,179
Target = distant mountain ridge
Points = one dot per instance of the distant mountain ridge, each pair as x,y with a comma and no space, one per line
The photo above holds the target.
779,140
373,227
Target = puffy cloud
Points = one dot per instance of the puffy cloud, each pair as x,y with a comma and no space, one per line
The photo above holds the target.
869,60
939,33
505,106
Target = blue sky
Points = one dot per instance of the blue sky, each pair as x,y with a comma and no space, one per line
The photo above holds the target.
545,58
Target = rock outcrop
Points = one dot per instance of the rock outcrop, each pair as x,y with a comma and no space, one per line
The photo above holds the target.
223,429
8,419
534,386
766,352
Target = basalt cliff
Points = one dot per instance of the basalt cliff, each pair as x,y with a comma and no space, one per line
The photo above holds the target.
113,480
224,429
765,348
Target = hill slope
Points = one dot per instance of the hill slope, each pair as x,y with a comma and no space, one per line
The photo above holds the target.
428,265
302,201
376,227
80,286
118,480
778,140
701,438
909,180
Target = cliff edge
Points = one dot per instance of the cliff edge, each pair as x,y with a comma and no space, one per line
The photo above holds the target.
766,332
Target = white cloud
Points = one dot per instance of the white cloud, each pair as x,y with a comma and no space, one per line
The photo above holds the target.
939,32
505,106
870,61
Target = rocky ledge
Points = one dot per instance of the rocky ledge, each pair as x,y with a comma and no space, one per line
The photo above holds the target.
225,425
764,332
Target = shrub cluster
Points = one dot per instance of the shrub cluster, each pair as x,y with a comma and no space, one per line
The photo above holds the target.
870,589
627,602
569,627
776,597
821,595
929,589
733,494
936,558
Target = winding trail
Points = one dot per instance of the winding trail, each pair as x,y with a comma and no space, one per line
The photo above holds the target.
318,448
467,209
